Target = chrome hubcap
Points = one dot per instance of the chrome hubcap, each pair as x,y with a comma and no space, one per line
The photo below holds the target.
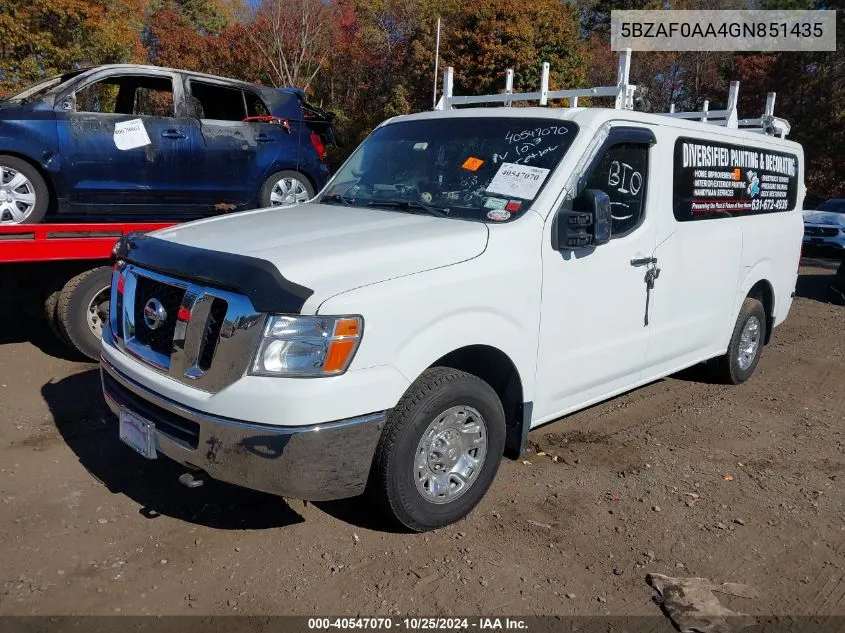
749,342
98,312
17,196
288,191
450,454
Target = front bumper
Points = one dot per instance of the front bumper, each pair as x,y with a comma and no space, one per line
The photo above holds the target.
317,463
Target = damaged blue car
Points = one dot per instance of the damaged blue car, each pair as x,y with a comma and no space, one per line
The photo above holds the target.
143,142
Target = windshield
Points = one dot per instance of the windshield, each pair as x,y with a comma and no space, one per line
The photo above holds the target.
487,168
38,90
835,205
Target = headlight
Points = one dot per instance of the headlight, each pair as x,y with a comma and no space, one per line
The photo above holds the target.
307,346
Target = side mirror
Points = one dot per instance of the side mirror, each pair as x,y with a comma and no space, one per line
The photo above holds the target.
586,225
194,107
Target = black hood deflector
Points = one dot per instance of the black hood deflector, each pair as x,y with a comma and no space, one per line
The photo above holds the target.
257,279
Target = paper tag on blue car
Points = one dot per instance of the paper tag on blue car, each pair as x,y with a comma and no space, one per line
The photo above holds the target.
130,134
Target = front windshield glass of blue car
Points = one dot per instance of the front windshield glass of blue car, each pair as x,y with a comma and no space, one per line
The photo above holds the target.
37,90
485,168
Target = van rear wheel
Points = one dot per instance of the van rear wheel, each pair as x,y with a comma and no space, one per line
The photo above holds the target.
440,449
746,345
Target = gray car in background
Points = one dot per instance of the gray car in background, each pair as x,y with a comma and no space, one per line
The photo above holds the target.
825,226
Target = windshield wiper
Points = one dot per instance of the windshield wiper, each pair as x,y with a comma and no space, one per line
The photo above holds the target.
336,197
408,205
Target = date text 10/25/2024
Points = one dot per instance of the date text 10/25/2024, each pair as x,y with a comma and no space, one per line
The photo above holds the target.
418,623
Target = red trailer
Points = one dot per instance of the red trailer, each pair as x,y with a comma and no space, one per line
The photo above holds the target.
62,274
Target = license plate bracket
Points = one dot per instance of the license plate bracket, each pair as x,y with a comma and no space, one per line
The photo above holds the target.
137,433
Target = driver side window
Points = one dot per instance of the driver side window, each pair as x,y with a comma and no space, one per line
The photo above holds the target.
127,94
99,97
622,174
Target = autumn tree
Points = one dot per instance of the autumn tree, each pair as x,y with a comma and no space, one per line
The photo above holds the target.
207,16
177,36
171,40
488,36
39,38
369,73
293,38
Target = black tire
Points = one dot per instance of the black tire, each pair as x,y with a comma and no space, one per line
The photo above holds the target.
264,194
51,315
42,192
72,308
727,368
433,393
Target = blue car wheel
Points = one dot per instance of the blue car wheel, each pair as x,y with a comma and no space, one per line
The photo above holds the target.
285,188
24,196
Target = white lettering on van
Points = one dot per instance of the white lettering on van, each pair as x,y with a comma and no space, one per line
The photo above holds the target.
699,155
624,178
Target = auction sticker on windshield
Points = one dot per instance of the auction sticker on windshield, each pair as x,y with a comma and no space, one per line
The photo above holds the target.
518,181
472,163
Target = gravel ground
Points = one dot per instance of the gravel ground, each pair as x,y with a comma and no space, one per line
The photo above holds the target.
682,477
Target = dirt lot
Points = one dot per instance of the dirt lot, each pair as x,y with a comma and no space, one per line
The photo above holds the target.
683,477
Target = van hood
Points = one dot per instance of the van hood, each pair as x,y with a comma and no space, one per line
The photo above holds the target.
331,249
824,217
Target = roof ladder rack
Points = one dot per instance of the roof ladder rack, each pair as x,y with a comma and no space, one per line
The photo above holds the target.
767,123
623,94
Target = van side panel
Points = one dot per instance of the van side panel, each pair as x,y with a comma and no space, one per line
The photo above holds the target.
709,263
771,250
693,301
700,261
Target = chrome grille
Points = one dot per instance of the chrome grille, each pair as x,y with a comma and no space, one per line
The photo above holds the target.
159,339
211,335
206,339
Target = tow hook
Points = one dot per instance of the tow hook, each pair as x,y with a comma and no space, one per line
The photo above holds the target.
189,481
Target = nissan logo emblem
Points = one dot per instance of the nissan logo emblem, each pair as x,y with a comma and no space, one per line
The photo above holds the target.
154,314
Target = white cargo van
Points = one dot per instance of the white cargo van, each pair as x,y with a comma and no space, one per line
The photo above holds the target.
468,275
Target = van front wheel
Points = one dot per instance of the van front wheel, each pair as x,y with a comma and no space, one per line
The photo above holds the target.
440,449
82,309
745,347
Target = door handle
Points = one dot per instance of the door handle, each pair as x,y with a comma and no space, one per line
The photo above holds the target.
643,261
174,134
263,138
